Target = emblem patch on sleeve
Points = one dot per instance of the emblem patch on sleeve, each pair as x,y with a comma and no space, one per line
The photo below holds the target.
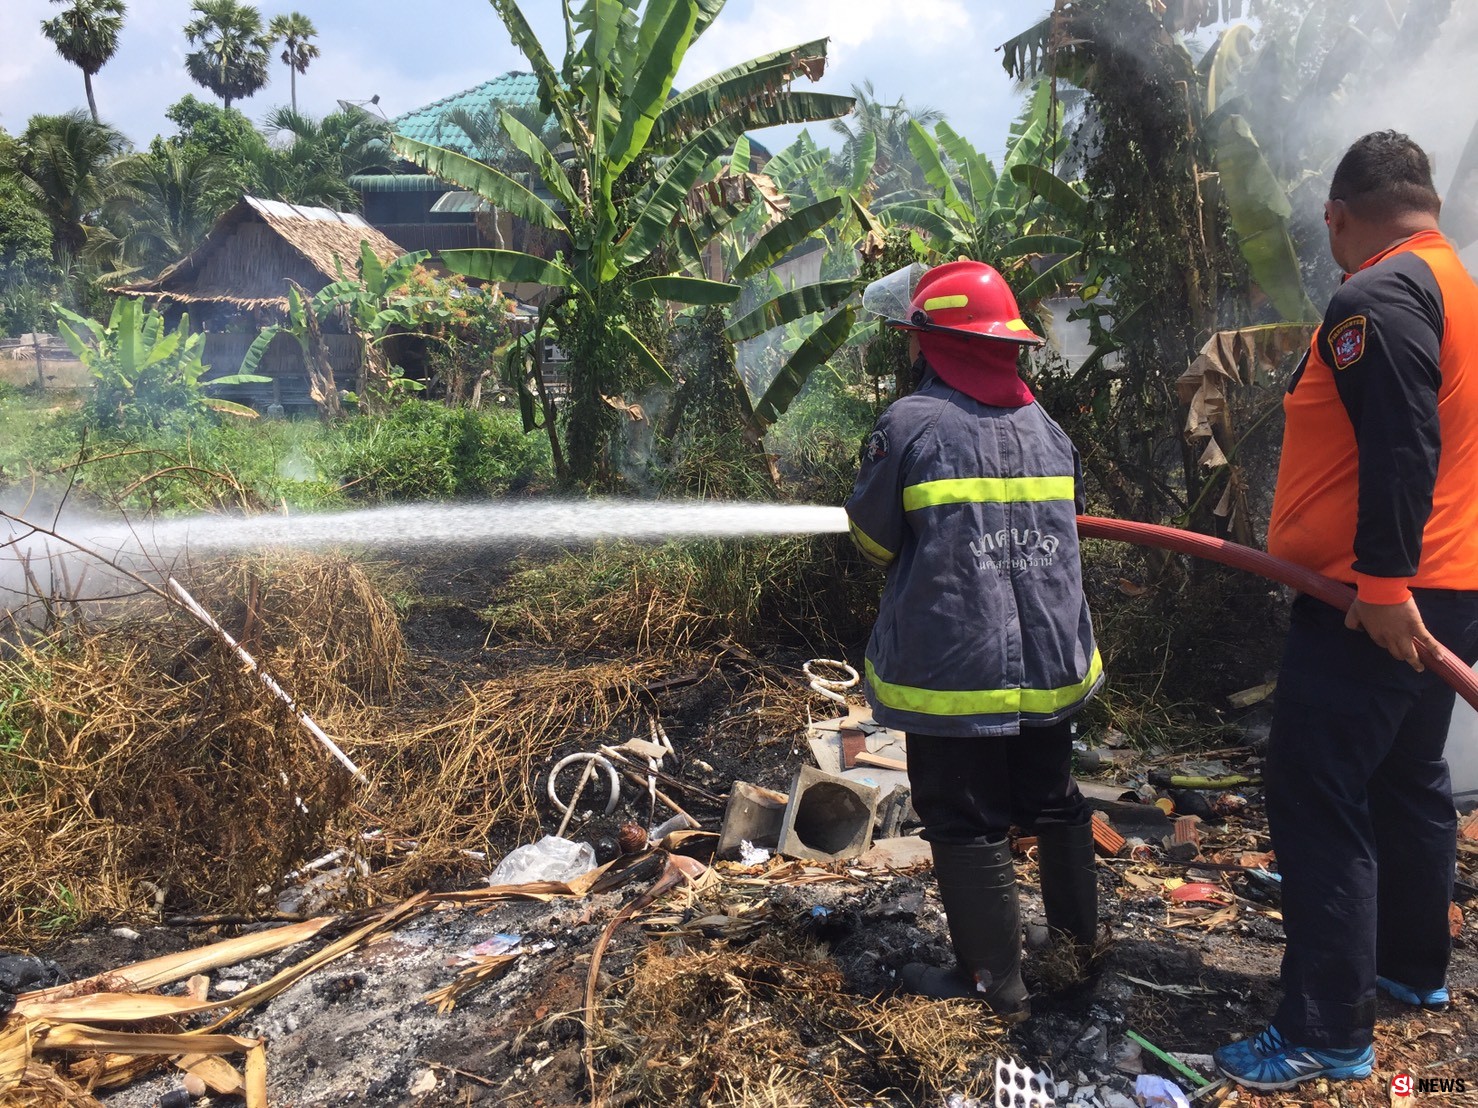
1347,340
876,447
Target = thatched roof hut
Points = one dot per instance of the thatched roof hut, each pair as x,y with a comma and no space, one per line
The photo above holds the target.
245,262
236,281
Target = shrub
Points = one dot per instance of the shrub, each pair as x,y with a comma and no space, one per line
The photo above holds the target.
424,451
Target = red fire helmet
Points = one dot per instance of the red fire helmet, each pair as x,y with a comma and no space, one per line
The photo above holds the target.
970,297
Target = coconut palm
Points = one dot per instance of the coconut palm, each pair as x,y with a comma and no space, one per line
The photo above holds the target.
232,58
86,34
61,160
159,206
312,160
896,174
294,30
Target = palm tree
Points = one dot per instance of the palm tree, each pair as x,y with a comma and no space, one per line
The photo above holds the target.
314,164
61,160
896,174
232,58
295,30
159,206
86,34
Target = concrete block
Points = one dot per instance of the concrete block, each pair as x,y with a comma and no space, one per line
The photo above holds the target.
827,817
754,815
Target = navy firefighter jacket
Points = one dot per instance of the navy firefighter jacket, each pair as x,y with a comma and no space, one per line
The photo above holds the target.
982,625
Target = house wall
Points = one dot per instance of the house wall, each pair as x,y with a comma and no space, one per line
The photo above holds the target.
283,362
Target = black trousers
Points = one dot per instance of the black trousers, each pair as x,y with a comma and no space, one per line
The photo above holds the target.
1360,807
974,790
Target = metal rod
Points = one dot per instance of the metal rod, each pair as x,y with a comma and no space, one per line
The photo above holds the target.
194,608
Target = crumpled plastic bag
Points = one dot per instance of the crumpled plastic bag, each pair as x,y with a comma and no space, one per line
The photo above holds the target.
1156,1092
549,859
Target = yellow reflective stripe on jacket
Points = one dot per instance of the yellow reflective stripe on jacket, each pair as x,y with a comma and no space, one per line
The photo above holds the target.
982,702
873,551
987,490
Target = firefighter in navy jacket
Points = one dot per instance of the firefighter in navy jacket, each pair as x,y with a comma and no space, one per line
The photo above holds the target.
983,646
1375,488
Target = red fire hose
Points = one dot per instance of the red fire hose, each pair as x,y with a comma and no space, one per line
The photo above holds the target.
1442,662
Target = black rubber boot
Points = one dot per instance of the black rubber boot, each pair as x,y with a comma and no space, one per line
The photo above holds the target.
977,885
1065,859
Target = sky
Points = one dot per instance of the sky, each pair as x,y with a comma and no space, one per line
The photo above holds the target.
940,54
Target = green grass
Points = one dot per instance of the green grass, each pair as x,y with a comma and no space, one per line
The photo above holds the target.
420,451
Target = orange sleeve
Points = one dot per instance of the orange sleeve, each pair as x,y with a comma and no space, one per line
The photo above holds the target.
1382,590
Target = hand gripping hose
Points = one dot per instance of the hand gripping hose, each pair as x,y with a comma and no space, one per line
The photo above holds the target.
1442,662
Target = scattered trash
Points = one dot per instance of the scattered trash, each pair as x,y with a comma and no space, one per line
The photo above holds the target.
1170,1060
833,688
631,838
501,943
1198,892
549,859
1157,1092
751,855
753,817
827,818
1108,841
1020,1087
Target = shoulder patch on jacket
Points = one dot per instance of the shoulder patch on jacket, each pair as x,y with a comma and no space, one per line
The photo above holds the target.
1347,341
876,447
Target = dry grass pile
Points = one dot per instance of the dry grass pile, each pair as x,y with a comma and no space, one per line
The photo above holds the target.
476,769
626,596
770,1024
141,764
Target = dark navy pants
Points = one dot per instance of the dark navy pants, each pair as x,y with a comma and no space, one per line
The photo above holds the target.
974,790
1360,806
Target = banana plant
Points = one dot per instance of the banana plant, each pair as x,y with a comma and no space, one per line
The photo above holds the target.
637,152
1026,211
144,372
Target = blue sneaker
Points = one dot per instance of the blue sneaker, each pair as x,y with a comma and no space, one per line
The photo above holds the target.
1432,998
1270,1062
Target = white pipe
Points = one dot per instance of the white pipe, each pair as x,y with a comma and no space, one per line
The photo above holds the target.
194,608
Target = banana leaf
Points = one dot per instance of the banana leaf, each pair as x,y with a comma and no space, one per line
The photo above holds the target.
925,150
665,196
780,239
1051,279
819,346
914,214
662,43
550,171
643,355
1224,63
371,270
1052,188
790,168
1260,210
863,163
980,176
230,407
511,266
553,97
503,191
1041,244
714,98
685,290
797,107
790,306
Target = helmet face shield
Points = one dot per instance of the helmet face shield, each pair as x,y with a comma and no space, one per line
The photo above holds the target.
891,297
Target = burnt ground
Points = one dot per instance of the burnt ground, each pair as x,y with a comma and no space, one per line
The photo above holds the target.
1185,976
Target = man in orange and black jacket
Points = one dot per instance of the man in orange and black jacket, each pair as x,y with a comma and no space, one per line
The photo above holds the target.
1376,488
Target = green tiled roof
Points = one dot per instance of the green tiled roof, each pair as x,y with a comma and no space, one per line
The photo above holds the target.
512,90
397,182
